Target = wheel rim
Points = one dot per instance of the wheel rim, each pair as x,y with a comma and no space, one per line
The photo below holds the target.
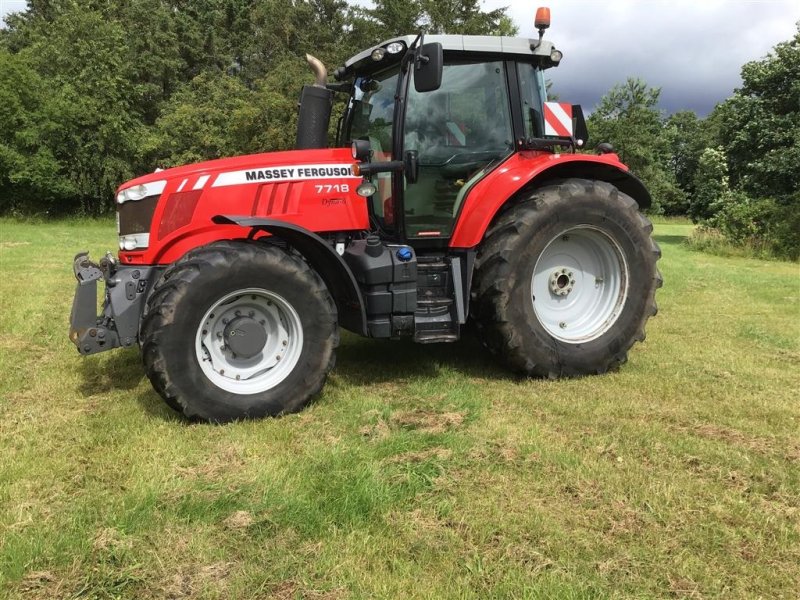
246,365
579,284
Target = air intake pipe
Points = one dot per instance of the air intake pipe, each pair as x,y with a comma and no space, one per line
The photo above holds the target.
315,109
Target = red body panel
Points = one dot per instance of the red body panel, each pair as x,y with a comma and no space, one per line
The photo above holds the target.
490,193
311,188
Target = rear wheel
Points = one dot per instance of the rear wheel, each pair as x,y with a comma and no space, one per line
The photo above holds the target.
566,279
238,330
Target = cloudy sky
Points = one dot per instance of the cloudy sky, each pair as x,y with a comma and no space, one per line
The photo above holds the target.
692,49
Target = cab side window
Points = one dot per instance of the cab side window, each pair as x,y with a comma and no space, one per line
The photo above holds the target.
532,90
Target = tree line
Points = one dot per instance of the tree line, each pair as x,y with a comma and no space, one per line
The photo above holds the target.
736,171
95,92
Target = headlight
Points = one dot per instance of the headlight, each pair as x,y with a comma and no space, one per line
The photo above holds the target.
378,54
143,190
134,241
366,189
395,47
136,192
556,56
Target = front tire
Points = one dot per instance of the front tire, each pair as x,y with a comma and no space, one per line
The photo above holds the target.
566,280
238,330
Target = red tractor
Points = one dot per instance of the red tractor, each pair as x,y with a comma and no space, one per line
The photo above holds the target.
454,191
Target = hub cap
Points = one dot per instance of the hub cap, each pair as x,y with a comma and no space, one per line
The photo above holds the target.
249,341
579,284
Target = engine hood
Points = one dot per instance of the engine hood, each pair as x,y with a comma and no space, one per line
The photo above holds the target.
290,165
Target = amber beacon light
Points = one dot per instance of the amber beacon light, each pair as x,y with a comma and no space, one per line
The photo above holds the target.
542,20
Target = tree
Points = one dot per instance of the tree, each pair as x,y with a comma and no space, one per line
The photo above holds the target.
760,133
710,184
760,124
685,138
94,92
26,165
212,117
627,117
464,16
82,134
390,18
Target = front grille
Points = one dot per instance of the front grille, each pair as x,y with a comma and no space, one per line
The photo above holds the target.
135,216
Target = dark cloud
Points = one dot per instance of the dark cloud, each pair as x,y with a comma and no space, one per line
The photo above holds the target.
692,50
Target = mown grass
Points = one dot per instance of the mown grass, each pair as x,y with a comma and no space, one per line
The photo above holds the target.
421,472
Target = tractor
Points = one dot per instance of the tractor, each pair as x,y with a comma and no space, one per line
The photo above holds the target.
454,192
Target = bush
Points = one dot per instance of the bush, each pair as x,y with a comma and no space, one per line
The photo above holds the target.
761,227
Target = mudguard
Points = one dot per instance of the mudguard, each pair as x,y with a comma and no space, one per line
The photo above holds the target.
527,169
322,257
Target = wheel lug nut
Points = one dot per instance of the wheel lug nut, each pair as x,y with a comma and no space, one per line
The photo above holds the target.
562,325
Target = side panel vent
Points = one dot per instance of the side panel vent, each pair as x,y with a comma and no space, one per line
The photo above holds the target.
178,212
277,199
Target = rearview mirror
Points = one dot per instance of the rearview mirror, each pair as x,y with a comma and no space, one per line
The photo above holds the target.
428,65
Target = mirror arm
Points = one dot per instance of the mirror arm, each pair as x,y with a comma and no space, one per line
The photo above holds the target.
409,165
369,169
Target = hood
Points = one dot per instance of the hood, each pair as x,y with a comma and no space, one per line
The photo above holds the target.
249,161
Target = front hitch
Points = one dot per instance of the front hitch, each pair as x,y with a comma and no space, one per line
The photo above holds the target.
124,294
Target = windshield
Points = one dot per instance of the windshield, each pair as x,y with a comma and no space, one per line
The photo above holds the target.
371,112
369,116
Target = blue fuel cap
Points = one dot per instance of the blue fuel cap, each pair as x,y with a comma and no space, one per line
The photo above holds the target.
405,254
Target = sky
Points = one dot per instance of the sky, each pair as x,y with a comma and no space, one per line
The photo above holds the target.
692,49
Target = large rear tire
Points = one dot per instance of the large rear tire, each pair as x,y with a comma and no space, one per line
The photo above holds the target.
566,280
238,330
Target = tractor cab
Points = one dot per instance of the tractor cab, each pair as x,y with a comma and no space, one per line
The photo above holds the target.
485,101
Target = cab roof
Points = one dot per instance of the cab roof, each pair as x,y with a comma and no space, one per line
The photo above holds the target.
483,44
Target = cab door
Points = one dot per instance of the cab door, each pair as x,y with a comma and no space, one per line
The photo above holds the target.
460,132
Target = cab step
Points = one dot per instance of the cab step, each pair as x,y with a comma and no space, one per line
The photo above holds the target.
436,318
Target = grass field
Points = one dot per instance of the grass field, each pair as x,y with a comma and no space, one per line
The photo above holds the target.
420,472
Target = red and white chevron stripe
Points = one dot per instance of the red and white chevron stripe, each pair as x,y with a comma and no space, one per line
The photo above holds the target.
558,119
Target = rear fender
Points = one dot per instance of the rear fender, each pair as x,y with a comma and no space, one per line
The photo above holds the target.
323,259
526,170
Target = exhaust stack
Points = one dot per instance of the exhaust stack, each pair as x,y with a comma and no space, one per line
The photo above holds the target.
315,109
319,70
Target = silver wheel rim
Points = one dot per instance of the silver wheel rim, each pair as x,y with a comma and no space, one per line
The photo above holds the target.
579,284
271,364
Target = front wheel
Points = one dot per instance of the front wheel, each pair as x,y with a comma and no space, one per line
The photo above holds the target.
566,280
238,330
